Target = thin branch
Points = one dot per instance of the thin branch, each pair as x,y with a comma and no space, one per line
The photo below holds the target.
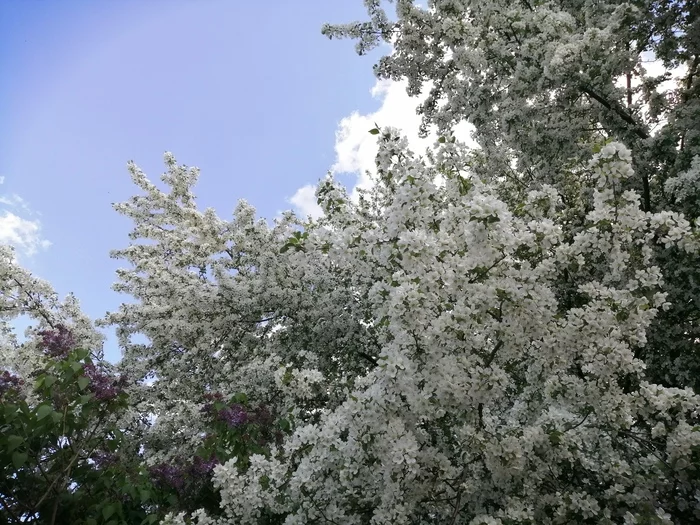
66,472
37,304
637,128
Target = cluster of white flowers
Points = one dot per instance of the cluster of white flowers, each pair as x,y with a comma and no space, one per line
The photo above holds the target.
542,82
487,395
498,336
298,383
685,186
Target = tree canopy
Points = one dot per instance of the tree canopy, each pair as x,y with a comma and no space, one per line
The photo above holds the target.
502,333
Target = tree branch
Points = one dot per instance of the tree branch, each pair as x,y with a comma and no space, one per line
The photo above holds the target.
637,128
368,357
618,110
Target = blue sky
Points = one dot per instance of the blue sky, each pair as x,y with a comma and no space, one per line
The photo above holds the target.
250,92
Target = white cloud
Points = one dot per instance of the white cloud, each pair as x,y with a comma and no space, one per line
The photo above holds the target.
356,148
19,228
305,201
23,234
2,179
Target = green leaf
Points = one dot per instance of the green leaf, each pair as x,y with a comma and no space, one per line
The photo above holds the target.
129,489
240,398
19,459
374,131
84,399
83,382
108,511
13,442
43,411
501,294
10,412
555,437
441,140
82,353
464,186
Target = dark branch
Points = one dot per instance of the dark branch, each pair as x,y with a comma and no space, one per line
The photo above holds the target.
618,110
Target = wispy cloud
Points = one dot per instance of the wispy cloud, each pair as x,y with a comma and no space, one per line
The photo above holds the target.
19,225
15,201
23,234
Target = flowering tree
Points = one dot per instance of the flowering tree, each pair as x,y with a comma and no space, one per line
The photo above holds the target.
503,335
499,335
542,82
428,354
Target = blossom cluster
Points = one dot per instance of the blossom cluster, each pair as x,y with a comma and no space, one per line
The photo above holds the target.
104,385
57,342
495,377
233,415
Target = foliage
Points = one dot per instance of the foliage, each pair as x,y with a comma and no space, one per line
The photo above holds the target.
66,458
60,443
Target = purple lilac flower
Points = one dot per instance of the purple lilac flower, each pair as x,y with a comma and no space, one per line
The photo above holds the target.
104,387
234,415
203,467
57,342
169,475
9,381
